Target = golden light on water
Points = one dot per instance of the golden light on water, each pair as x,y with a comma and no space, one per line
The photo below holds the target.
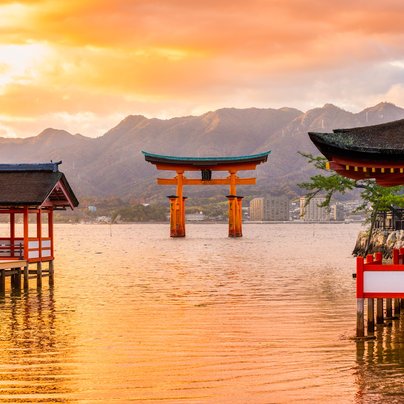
135,315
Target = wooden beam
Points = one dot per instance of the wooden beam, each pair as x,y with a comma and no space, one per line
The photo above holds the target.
218,181
224,167
12,264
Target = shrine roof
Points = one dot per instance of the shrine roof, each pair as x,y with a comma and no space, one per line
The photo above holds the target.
34,184
384,142
205,161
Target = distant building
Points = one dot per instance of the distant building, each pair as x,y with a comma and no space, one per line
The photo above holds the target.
257,209
337,212
92,209
270,208
312,212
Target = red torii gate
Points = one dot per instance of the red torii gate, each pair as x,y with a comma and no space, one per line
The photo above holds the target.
205,165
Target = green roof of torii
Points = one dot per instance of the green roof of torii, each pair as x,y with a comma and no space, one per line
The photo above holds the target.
205,161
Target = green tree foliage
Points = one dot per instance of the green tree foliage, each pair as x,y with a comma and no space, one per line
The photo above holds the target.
374,197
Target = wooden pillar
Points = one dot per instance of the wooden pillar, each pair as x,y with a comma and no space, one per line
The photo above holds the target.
234,209
51,274
50,229
233,190
39,232
26,233
232,215
239,217
18,278
2,281
12,278
371,316
360,301
173,215
379,311
181,205
39,275
26,275
389,309
397,307
182,212
360,308
12,235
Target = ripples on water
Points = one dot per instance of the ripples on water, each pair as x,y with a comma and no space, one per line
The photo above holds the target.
137,316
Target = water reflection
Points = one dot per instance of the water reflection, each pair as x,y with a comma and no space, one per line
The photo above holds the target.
138,316
380,365
33,348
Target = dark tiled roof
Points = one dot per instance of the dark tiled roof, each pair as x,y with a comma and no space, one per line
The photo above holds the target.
31,167
380,142
31,186
205,161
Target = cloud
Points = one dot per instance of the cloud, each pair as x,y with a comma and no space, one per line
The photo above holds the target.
82,61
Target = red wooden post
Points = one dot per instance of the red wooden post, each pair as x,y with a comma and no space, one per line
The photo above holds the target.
395,256
50,229
232,215
180,205
359,276
26,233
39,232
389,309
239,214
173,215
360,306
379,307
371,316
12,234
378,258
401,256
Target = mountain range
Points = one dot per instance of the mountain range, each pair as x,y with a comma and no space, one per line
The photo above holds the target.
112,165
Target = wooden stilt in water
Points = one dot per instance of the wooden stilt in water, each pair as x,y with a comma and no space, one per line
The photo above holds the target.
39,275
402,304
173,215
51,274
379,313
397,307
26,274
371,316
18,279
360,326
389,309
239,215
12,279
180,205
2,281
232,215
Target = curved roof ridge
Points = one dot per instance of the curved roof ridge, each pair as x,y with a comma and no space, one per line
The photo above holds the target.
205,159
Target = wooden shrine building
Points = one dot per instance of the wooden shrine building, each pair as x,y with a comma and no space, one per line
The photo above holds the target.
30,193
371,152
206,166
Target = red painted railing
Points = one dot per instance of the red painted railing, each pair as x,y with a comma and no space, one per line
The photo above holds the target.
374,279
38,249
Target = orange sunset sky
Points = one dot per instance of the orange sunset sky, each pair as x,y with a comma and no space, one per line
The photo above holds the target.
83,65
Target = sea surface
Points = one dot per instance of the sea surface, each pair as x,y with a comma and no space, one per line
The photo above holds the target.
136,316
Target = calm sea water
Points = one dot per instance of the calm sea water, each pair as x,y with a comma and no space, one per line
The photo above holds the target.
138,317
